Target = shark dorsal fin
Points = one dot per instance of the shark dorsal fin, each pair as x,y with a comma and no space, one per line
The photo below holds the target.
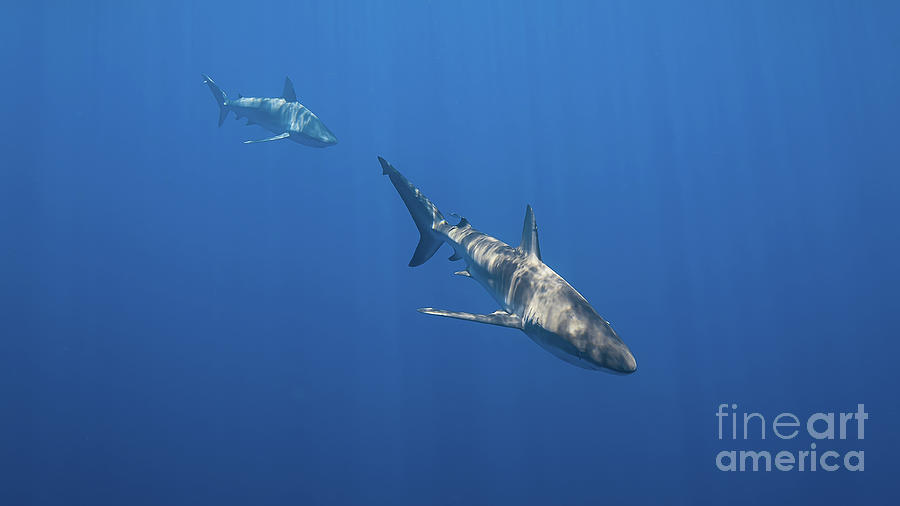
289,93
530,243
463,222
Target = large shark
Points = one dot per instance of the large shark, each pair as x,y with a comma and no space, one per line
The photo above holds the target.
533,298
283,116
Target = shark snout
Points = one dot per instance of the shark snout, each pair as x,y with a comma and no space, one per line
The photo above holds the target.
614,357
328,138
619,361
629,364
612,353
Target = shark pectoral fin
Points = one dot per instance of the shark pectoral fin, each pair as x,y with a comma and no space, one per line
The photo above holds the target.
500,318
279,136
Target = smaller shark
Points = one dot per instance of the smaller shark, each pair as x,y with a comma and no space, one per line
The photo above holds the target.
284,116
533,298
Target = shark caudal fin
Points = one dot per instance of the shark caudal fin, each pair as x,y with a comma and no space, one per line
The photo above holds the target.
219,95
428,219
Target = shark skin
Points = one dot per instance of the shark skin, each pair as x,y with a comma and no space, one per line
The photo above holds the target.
284,116
532,297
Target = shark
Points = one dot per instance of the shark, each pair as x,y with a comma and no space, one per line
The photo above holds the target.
284,116
532,297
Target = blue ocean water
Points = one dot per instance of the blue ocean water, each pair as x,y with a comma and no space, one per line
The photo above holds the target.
189,320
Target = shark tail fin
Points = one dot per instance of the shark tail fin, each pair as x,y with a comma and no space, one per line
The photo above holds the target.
219,95
429,220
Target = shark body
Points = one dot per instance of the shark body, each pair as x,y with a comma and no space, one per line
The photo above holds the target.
532,297
284,116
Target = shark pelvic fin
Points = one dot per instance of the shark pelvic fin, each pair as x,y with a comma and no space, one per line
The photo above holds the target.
530,243
284,135
455,256
465,273
500,318
289,94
